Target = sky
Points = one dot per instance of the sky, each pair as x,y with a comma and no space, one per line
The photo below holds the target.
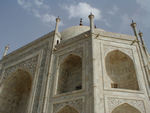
22,21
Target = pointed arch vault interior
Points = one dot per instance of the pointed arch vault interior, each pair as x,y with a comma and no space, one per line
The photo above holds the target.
15,92
70,74
121,71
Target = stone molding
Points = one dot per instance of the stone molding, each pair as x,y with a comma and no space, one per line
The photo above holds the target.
115,35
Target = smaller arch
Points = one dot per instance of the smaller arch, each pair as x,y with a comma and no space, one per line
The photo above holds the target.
125,108
70,74
57,41
67,109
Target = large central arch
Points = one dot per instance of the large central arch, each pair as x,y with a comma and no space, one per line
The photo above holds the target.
15,93
121,70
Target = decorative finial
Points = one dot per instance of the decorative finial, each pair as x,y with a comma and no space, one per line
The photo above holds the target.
58,19
140,34
91,15
6,50
80,22
132,21
133,24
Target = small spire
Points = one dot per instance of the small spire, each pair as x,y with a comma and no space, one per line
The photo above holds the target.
6,50
57,21
142,41
91,18
81,22
133,25
141,38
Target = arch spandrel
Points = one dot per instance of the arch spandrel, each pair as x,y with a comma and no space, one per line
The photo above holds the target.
14,73
125,108
28,65
108,49
67,109
75,53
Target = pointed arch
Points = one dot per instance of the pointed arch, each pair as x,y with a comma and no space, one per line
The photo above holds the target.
68,109
125,108
15,92
70,74
121,70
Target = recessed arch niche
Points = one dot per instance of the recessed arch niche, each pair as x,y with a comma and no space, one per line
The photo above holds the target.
15,92
68,109
125,108
121,70
70,74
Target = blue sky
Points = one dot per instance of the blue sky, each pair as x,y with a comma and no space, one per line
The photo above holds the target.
22,21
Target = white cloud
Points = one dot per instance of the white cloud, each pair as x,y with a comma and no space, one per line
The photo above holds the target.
39,2
145,17
38,9
106,22
114,10
144,4
48,18
25,4
82,10
125,23
126,19
20,2
36,13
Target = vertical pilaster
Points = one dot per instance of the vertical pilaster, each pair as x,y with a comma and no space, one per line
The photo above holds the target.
55,40
97,82
141,55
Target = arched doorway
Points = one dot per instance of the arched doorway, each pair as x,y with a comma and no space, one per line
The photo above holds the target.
121,71
125,108
68,109
70,74
15,92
